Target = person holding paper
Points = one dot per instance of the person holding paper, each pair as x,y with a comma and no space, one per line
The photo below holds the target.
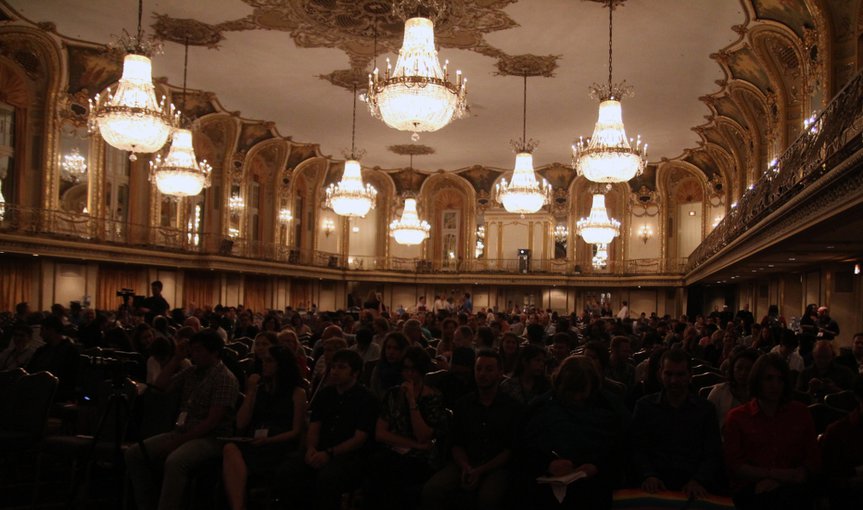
575,434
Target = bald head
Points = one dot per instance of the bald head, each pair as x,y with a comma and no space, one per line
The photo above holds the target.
193,322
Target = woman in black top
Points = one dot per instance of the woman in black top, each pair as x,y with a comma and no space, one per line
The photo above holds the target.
272,417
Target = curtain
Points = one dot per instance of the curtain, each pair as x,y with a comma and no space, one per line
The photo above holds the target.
113,278
255,295
199,290
18,277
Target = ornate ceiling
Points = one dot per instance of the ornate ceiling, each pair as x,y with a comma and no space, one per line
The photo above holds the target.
293,62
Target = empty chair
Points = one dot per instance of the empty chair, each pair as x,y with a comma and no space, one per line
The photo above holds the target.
706,379
823,415
22,423
843,401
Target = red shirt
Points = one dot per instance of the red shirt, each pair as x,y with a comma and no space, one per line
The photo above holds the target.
783,441
842,445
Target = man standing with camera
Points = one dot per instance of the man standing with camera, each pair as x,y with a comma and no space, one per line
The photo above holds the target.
208,392
155,304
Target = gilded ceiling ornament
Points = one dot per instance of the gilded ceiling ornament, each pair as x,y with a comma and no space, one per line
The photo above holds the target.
411,149
527,65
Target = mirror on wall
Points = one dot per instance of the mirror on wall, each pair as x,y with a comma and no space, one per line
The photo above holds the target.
74,167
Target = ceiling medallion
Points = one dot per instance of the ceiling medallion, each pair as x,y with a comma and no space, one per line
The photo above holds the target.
417,94
411,149
524,194
350,197
409,229
130,118
608,156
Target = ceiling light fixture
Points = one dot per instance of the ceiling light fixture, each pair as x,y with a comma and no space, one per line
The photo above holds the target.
409,229
524,194
350,197
180,174
417,95
645,233
600,259
130,118
598,228
285,215
561,233
608,155
74,166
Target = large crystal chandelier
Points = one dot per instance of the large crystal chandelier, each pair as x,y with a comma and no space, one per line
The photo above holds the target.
350,197
600,259
74,166
598,228
409,229
524,194
130,118
180,174
417,95
609,156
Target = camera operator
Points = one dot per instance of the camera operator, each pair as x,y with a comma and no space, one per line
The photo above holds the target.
155,304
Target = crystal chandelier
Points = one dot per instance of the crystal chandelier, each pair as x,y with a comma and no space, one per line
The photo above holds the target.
598,228
74,166
285,215
600,259
180,174
130,118
417,95
524,194
350,197
609,156
561,233
409,229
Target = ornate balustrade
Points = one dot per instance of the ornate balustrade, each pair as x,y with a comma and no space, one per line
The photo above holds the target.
809,161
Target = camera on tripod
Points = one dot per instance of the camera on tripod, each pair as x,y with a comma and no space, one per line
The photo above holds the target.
114,366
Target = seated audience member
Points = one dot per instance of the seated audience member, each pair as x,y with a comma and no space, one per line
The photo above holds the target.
734,392
58,356
413,330
342,420
20,349
388,371
853,358
676,443
529,380
412,416
322,366
142,336
770,448
485,338
369,350
261,347
561,346
289,339
458,380
245,327
482,440
273,413
162,352
619,367
842,448
463,337
575,428
825,376
445,346
208,392
787,348
535,334
509,352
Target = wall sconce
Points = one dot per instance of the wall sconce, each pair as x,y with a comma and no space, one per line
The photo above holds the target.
561,234
329,226
355,229
645,233
285,216
692,213
856,268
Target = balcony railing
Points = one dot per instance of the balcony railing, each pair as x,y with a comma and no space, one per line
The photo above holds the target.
77,227
825,143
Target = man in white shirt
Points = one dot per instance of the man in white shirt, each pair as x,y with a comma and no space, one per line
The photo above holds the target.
787,348
624,311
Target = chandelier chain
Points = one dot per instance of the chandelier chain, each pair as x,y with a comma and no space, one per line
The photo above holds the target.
354,123
610,32
524,112
140,17
185,73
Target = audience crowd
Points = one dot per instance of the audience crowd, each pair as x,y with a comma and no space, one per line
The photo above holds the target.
449,405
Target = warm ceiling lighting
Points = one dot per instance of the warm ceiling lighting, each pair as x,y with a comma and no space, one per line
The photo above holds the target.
74,166
645,233
598,228
130,118
561,233
350,197
525,194
180,174
409,229
600,259
609,156
417,95
285,215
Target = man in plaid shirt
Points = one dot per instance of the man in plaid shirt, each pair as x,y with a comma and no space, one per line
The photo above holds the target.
208,392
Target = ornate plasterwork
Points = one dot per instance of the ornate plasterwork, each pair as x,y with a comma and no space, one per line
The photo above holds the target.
411,149
355,26
644,202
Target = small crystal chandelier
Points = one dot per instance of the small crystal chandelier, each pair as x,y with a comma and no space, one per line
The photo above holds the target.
524,194
180,174
608,156
417,95
598,228
350,197
236,204
285,215
130,118
561,233
600,259
409,229
74,166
